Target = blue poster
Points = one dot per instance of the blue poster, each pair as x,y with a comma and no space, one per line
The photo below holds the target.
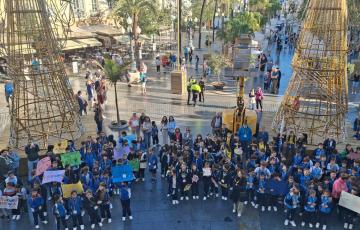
122,173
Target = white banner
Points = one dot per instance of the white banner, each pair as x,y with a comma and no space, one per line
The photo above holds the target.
350,201
9,202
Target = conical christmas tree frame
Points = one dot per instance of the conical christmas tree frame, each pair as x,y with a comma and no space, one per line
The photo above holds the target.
315,102
44,109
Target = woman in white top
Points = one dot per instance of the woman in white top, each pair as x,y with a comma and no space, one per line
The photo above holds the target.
164,130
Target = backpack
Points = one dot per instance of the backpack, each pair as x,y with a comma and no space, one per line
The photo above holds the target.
9,89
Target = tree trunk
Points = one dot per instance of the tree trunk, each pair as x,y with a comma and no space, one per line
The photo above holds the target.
213,35
117,106
136,38
200,21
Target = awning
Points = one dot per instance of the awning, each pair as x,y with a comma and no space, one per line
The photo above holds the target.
122,39
73,45
90,42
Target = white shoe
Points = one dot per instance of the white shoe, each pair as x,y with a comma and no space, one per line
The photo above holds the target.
14,217
252,203
18,217
324,227
292,223
74,228
350,226
37,226
302,224
123,218
168,195
211,194
100,224
194,197
45,222
181,198
66,228
176,201
67,217
269,208
204,198
82,213
346,225
173,202
109,220
239,214
186,198
143,179
49,198
286,223
111,206
45,213
225,198
82,227
317,225
245,202
92,226
102,220
275,208
222,198
130,217
216,195
234,210
197,197
263,209
310,225
256,206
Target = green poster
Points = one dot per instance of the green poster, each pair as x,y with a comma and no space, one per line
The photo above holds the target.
72,158
135,164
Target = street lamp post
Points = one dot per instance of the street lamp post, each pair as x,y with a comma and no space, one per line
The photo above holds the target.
129,21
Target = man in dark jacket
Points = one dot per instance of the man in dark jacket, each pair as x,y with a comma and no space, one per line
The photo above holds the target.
32,153
4,164
202,86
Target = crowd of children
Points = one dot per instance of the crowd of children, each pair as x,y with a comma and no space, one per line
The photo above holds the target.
268,175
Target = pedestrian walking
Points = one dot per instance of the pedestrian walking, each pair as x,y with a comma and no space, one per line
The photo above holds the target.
252,99
82,103
32,153
158,64
274,80
197,59
98,117
355,84
202,86
259,97
9,90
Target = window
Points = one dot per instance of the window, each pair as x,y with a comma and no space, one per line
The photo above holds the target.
94,5
78,6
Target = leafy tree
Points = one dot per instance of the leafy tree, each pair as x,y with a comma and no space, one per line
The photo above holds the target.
243,23
217,62
114,72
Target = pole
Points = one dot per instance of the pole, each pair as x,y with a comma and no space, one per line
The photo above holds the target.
179,33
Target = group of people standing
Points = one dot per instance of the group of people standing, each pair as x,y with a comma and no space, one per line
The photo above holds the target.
195,90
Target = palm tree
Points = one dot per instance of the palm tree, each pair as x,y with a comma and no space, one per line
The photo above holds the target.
200,21
114,72
137,10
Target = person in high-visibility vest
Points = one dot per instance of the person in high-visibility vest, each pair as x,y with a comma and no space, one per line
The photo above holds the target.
195,89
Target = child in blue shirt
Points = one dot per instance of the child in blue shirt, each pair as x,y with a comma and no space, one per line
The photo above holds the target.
59,212
75,206
325,208
291,201
36,203
125,196
309,209
260,192
153,161
250,181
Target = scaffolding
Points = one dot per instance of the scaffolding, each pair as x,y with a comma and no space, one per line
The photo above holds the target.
315,102
44,108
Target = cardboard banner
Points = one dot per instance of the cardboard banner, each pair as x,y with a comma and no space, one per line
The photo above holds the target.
68,188
135,165
9,202
122,173
53,176
350,201
72,158
60,147
43,165
120,152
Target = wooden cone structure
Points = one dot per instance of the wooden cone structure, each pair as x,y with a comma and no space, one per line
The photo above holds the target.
315,102
43,108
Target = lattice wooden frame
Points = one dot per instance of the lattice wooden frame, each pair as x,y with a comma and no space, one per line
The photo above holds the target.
316,99
43,108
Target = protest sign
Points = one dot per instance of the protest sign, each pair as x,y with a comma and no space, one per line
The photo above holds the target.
60,147
135,164
122,173
9,202
43,165
53,176
72,158
350,201
68,188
